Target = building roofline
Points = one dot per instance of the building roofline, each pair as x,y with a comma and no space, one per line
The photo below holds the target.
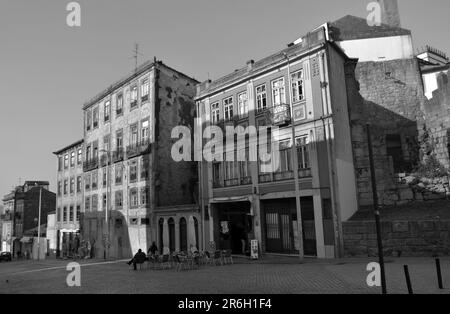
264,65
131,76
77,143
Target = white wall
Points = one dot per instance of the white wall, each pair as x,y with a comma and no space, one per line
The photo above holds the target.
379,49
430,83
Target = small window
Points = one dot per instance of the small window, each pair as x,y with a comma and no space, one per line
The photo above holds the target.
66,161
87,204
119,199
145,89
72,159
107,111
278,92
242,105
95,117
134,200
298,92
119,105
134,97
80,156
133,171
228,108
215,113
261,98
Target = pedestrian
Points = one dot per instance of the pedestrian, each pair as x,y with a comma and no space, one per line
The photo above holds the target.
153,249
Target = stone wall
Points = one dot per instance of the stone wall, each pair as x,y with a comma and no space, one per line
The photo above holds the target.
388,96
437,122
400,238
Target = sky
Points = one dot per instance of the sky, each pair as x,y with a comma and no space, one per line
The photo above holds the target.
48,69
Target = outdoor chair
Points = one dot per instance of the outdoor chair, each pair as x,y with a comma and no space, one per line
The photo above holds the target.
165,262
181,262
217,258
152,260
227,257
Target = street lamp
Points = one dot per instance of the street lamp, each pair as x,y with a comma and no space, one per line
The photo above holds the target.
295,163
108,205
39,224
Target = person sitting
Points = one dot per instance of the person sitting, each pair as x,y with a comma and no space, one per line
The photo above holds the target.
139,258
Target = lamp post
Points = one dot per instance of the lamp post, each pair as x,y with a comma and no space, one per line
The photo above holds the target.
108,204
295,164
39,225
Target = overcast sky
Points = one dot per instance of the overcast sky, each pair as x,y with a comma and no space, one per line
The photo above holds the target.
47,69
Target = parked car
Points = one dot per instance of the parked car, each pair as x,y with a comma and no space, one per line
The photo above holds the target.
5,256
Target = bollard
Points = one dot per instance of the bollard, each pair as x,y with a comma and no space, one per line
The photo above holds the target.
408,279
439,274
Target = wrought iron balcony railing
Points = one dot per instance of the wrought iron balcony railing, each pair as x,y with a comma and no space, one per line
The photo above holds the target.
281,115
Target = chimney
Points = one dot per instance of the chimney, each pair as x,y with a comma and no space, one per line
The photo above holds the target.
390,14
250,64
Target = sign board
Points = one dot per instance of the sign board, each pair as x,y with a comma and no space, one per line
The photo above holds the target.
254,254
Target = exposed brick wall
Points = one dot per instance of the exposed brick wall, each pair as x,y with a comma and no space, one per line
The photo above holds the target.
400,238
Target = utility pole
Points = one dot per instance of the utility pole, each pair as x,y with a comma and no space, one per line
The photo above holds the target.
136,55
295,165
376,211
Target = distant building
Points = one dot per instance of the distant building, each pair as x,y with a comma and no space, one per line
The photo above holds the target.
69,198
432,63
134,192
6,220
26,214
52,234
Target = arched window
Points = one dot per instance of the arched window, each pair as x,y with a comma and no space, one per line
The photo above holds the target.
183,235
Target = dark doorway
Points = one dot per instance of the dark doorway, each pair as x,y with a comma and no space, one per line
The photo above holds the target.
171,235
183,235
235,223
161,235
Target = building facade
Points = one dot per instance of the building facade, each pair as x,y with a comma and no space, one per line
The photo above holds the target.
134,193
242,201
69,198
7,222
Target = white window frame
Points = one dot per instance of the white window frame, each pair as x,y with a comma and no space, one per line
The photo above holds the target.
260,96
278,92
298,85
215,112
228,109
242,104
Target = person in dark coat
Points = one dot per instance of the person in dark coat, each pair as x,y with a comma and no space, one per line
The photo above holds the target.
153,249
139,258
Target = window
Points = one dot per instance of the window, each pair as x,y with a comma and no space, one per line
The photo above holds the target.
106,143
87,182
134,201
107,110
285,156
261,98
228,108
145,131
298,92
217,173
105,177
71,213
88,153
145,195
95,117
65,186
133,135
95,150
87,204
133,171
59,188
77,218
58,214
66,161
80,156
78,184
60,163
278,92
215,113
119,139
144,168
119,199
242,105
134,96
64,214
119,173
94,202
119,105
72,185
302,152
72,159
88,120
144,90
94,180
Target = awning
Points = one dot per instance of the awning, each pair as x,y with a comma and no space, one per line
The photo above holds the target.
231,199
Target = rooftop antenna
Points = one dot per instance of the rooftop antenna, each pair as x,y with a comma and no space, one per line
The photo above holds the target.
136,55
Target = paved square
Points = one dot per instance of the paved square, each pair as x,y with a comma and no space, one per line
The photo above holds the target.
269,276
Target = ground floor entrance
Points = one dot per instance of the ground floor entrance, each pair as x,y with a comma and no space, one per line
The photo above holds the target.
281,226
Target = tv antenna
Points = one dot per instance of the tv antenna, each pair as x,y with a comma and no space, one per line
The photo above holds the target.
136,55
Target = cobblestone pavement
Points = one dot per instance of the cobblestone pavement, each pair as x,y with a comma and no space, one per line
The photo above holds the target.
269,276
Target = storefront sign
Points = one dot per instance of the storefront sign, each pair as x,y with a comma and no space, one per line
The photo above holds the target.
254,249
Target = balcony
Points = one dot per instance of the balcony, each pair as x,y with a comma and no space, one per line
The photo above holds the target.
140,148
246,180
232,182
285,175
281,115
133,150
104,160
90,164
304,173
118,155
